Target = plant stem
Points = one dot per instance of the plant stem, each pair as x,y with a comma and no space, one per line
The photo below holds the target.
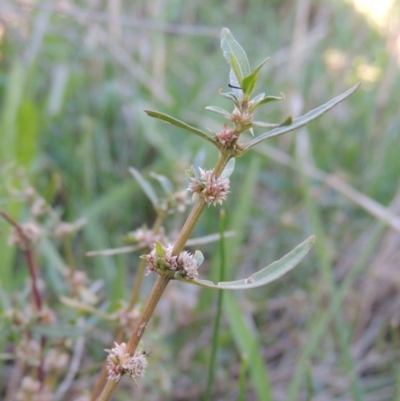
198,209
214,349
29,259
119,337
151,303
27,249
163,280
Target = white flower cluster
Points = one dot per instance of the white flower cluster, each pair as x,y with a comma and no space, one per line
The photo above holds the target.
146,238
27,232
184,263
213,189
120,362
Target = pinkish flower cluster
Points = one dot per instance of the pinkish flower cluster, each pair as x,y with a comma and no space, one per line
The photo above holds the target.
187,265
120,362
184,263
213,189
241,119
146,238
227,136
28,232
32,390
153,260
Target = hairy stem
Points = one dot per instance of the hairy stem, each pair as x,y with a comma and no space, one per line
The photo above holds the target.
151,303
163,280
197,210
27,249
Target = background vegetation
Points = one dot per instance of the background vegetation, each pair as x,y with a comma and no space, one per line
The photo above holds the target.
74,79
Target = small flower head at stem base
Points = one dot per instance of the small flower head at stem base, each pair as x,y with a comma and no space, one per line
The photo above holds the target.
160,259
213,189
120,362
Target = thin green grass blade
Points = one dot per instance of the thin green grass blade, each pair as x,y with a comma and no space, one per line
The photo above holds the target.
323,322
248,342
217,322
327,272
146,187
242,378
246,338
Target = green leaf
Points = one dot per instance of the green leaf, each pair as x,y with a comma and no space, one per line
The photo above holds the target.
82,307
235,84
146,187
159,250
164,182
261,124
266,275
219,111
249,81
258,101
286,121
258,68
230,96
236,69
199,258
180,124
230,45
258,98
303,120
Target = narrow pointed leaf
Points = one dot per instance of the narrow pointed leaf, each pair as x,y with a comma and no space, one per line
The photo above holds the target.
236,68
208,238
164,182
230,45
159,250
228,170
265,99
303,120
145,185
230,96
219,111
171,120
84,307
235,83
115,251
249,83
286,121
266,275
258,68
258,98
261,124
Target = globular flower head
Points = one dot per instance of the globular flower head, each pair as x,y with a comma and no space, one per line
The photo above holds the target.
227,136
146,238
185,263
213,189
153,259
27,232
241,119
120,362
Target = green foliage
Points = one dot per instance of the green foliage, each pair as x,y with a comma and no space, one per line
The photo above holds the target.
266,275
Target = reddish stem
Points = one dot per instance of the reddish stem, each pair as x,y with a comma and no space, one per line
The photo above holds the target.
27,249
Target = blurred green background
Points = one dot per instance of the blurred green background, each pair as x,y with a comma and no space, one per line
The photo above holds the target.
74,80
